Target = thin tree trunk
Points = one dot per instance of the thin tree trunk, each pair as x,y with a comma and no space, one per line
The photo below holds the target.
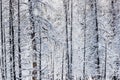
5,55
66,27
52,66
105,71
34,64
84,63
62,66
115,13
97,40
40,71
12,49
19,43
71,30
10,41
2,43
68,5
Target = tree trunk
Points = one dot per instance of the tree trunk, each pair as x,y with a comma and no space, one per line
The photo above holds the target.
2,44
105,71
84,63
71,30
40,64
68,5
5,55
19,43
62,75
12,47
97,44
32,27
67,54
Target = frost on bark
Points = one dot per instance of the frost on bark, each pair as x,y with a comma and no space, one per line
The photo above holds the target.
19,43
2,44
32,27
68,6
12,44
59,39
92,39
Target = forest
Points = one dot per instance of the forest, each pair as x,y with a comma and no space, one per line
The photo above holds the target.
59,39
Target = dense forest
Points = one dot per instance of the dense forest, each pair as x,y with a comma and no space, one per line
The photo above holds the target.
59,39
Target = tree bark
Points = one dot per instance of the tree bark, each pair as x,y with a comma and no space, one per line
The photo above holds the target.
97,42
68,6
67,54
12,47
105,71
71,30
19,43
2,43
32,27
84,56
40,64
62,78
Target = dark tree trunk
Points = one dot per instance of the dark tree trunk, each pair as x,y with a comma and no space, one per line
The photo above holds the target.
62,66
10,42
71,30
97,40
19,43
12,47
5,55
68,5
2,43
67,51
84,63
40,71
105,61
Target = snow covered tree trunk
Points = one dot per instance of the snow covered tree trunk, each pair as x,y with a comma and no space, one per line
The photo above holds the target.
105,61
67,53
115,11
11,35
69,39
32,27
68,6
92,40
40,45
62,73
71,34
97,42
19,43
5,54
84,53
2,43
